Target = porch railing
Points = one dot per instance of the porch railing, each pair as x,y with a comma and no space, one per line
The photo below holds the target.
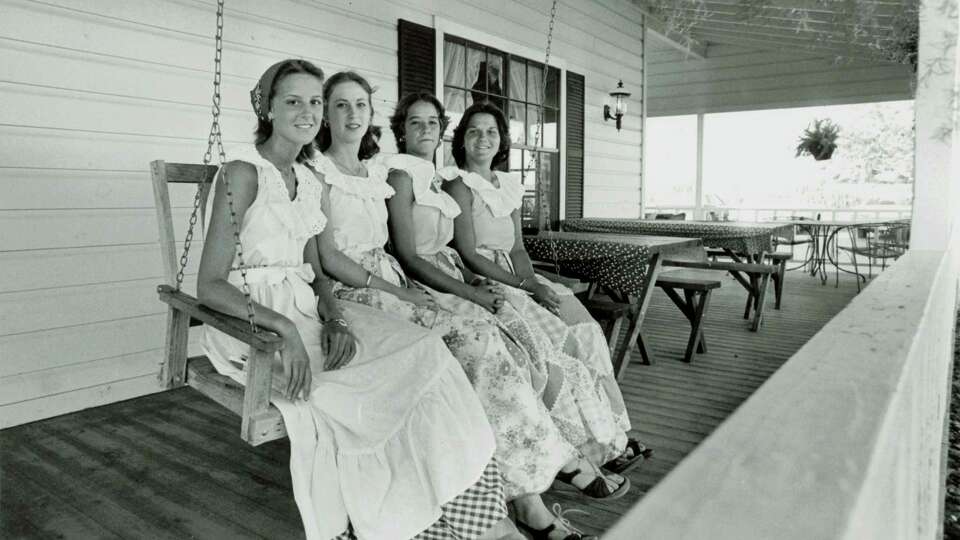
768,213
845,441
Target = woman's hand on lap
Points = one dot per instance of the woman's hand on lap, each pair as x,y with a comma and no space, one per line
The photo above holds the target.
545,296
487,297
296,366
417,297
338,343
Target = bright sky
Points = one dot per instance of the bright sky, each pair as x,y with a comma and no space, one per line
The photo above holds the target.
749,158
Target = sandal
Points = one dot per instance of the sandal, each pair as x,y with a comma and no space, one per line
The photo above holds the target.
544,534
623,464
597,488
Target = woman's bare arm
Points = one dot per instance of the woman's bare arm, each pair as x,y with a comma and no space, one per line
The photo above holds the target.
465,240
219,249
403,236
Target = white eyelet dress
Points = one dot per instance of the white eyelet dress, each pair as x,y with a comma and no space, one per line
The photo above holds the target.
392,445
495,234
530,448
579,406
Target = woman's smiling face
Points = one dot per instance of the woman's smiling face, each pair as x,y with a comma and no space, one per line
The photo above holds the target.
422,129
348,112
296,107
481,139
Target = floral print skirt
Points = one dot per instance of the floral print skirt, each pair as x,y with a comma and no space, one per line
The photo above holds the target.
600,432
530,447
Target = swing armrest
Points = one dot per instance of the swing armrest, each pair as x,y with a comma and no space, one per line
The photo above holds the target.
264,340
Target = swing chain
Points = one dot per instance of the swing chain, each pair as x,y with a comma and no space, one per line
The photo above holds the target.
216,137
534,155
536,141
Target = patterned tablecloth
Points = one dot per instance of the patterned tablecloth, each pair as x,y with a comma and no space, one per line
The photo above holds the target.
616,265
737,236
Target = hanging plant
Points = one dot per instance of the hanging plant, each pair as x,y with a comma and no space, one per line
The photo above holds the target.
819,140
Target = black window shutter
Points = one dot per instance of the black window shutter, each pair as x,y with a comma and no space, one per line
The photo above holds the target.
417,56
574,145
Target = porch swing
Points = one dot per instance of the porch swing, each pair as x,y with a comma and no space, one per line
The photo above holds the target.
260,421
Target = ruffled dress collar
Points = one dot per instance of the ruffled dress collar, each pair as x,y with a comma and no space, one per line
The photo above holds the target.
501,201
308,218
427,181
374,186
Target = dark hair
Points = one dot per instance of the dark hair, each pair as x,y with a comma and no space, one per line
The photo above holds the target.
399,117
265,127
368,145
458,150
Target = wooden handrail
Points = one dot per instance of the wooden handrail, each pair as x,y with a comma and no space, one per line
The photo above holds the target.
844,441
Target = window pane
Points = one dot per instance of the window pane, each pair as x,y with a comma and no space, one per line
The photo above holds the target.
454,63
517,123
516,161
553,88
533,120
551,118
534,82
671,161
476,60
455,103
518,78
495,83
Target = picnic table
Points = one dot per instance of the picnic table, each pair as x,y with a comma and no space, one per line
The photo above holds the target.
738,237
742,241
624,266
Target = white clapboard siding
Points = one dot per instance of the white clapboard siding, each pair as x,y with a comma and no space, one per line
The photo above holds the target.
93,90
734,78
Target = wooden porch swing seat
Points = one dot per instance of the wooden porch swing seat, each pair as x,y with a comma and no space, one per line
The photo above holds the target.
260,421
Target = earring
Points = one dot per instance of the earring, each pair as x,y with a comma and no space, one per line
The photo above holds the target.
269,116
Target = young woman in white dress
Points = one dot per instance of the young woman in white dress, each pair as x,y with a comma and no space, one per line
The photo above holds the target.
387,438
488,238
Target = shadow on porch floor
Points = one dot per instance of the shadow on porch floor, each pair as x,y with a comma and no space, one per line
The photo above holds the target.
171,465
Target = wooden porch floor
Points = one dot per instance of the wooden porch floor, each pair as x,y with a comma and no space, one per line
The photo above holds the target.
171,465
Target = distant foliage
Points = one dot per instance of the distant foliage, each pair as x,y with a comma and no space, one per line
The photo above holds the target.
878,149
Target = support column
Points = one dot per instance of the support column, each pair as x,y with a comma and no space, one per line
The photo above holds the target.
935,189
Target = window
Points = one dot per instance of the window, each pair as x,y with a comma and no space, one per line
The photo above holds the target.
474,73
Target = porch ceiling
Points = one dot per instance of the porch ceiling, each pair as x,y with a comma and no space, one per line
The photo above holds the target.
848,29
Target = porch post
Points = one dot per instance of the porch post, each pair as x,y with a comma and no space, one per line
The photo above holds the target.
935,189
643,124
698,206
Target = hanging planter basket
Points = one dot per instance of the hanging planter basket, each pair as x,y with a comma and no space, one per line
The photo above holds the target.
819,140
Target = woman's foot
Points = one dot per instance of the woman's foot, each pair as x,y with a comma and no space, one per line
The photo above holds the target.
634,454
536,520
589,480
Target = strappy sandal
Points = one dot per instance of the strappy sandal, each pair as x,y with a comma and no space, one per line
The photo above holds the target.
623,464
544,534
597,488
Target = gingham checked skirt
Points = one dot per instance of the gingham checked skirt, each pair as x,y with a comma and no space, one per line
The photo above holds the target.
469,514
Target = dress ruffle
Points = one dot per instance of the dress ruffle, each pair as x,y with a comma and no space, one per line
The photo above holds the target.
309,219
426,183
374,186
501,201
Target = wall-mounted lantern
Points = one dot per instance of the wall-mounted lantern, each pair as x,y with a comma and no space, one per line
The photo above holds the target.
620,95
